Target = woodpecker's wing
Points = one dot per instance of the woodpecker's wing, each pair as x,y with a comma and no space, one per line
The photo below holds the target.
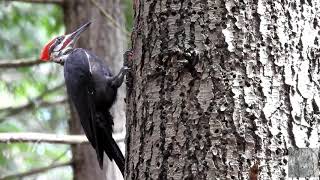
80,88
87,86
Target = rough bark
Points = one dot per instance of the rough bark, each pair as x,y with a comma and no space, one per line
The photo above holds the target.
253,94
107,42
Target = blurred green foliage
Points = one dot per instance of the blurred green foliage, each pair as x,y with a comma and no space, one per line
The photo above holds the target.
24,29
128,14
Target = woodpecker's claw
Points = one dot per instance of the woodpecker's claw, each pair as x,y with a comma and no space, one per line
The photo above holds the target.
124,70
118,79
128,55
127,58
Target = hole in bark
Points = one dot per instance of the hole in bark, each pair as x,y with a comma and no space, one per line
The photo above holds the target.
247,46
268,152
199,136
258,44
157,145
158,164
285,161
207,135
183,105
233,9
224,26
162,128
278,151
216,131
200,12
198,106
181,94
207,41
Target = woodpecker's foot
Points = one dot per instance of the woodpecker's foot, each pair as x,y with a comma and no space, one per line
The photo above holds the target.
125,69
118,79
127,57
128,54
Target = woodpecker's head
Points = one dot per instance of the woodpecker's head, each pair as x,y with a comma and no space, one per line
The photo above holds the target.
61,46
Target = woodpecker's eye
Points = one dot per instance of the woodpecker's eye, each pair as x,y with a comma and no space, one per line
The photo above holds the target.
59,39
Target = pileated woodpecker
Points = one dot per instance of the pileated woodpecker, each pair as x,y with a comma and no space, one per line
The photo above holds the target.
92,89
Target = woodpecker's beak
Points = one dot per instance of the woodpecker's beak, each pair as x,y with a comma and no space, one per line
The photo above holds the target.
73,37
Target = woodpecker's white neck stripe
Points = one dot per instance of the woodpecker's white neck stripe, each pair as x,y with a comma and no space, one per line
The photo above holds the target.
88,59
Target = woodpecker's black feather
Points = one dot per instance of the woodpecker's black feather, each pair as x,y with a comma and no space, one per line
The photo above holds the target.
93,90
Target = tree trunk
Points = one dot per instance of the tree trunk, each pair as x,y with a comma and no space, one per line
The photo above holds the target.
107,42
252,96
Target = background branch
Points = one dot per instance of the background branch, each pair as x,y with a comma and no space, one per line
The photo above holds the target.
15,110
35,171
37,101
19,63
48,138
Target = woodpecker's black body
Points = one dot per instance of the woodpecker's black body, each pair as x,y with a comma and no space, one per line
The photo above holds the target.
93,90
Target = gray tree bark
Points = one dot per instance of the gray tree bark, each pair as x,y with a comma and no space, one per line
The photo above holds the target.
107,42
253,95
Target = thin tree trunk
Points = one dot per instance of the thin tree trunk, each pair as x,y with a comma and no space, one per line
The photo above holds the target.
253,94
107,42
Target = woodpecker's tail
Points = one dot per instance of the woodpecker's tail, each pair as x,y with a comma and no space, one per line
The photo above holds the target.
110,146
114,153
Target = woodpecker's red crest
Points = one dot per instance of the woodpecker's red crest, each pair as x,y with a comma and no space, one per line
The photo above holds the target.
61,45
45,53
